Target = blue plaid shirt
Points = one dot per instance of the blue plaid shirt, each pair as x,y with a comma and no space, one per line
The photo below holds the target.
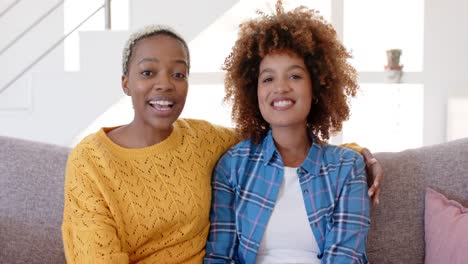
246,183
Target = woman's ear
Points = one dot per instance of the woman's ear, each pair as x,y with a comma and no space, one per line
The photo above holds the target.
125,84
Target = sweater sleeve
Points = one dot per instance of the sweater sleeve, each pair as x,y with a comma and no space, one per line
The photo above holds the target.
352,146
89,230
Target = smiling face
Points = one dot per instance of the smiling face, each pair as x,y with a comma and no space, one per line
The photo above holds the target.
284,90
157,81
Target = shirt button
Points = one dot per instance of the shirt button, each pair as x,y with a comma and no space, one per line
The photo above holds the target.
300,171
306,191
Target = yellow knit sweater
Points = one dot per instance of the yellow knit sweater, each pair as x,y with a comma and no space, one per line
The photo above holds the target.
148,205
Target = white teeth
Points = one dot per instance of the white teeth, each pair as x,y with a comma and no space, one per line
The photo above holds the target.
282,103
163,103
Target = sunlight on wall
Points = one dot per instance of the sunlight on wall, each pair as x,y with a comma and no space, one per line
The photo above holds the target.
203,102
118,114
213,45
206,102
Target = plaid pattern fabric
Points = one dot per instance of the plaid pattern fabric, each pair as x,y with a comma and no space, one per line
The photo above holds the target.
246,183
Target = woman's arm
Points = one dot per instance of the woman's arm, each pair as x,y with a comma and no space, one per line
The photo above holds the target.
374,170
222,241
88,229
346,240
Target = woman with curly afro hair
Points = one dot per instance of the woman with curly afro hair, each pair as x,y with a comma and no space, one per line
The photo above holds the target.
283,195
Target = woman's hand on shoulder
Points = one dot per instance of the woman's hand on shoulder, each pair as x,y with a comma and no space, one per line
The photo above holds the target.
375,175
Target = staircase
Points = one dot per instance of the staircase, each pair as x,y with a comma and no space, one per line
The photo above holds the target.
51,105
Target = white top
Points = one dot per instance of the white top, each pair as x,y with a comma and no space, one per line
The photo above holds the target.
288,237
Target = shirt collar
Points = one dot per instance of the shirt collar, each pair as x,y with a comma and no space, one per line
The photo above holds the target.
269,147
314,158
312,162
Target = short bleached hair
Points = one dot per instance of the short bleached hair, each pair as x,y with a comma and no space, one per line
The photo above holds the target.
146,32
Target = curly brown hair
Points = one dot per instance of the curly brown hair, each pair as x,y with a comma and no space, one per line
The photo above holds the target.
307,34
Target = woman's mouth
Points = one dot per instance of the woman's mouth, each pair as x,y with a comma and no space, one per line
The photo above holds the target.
161,105
282,104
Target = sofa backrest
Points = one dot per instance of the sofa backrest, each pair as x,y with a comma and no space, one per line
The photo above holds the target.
397,224
31,201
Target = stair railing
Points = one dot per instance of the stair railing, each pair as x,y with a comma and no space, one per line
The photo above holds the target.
107,8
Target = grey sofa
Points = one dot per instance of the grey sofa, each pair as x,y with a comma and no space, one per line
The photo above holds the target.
31,200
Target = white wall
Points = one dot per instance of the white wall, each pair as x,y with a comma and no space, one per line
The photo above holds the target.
445,63
53,106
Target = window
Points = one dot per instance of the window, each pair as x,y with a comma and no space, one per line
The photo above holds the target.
386,117
371,27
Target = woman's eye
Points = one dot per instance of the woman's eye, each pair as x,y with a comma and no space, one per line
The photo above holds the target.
179,75
295,76
267,80
146,73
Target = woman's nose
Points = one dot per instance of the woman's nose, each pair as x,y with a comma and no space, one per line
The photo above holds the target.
163,82
281,86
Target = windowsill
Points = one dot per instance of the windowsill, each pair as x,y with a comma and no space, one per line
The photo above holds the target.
380,77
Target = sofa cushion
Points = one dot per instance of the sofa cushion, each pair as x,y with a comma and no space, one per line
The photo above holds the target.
446,229
31,201
397,226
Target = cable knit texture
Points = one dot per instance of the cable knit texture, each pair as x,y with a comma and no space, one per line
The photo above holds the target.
148,205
